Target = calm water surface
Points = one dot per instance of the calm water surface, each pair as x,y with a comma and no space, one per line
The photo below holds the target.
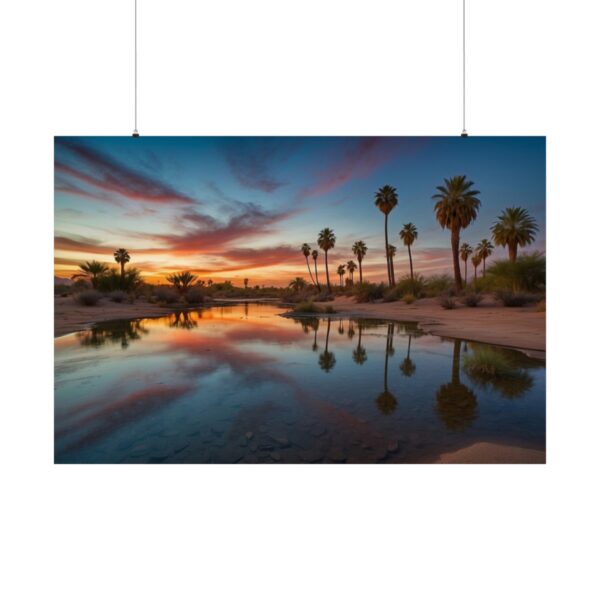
242,384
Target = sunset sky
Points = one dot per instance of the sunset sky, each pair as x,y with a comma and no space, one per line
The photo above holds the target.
230,208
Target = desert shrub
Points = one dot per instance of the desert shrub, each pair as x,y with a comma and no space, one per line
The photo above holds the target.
367,292
323,296
408,298
89,298
541,306
527,273
415,286
195,295
80,285
112,280
447,302
392,294
436,285
329,309
512,299
60,289
166,295
307,307
472,299
118,296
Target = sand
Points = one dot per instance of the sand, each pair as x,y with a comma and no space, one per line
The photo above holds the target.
521,328
487,453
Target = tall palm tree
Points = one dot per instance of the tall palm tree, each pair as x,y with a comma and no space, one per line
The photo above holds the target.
340,271
408,234
465,252
92,270
351,266
456,208
515,227
306,251
476,260
182,281
326,241
391,252
484,250
315,255
122,257
360,250
386,199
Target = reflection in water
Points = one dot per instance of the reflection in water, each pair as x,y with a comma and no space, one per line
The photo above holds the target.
239,384
456,403
115,332
386,401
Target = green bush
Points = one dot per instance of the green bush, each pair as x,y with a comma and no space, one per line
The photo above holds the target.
118,296
408,298
368,292
89,298
527,273
166,295
512,299
392,294
307,307
472,299
447,302
195,295
436,285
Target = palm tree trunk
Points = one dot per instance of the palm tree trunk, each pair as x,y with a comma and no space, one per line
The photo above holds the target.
412,277
484,266
455,241
360,269
512,252
308,265
392,270
122,271
387,256
317,276
327,272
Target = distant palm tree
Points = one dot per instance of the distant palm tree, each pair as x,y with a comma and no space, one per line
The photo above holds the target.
246,283
456,208
360,250
209,282
391,252
315,255
306,251
408,234
182,281
351,266
476,260
297,284
340,271
465,252
91,270
122,257
326,242
484,250
386,199
514,227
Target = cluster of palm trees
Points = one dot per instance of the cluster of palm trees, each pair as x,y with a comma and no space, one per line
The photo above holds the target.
93,270
456,207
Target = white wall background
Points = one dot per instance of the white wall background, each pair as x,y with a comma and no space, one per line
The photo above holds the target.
298,67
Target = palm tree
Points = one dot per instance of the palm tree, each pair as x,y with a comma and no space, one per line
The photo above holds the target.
359,354
92,270
340,271
484,250
456,207
476,260
407,366
360,250
122,257
182,281
465,252
515,227
326,358
326,242
315,255
386,199
391,252
246,283
351,266
386,401
306,251
408,234
297,284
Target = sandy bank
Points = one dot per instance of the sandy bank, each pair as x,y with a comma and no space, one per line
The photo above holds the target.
522,328
487,453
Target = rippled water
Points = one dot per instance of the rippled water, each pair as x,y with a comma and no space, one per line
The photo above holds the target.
243,384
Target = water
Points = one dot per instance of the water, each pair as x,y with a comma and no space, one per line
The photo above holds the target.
243,384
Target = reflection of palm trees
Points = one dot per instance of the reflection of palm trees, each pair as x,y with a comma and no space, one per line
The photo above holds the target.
386,401
456,403
115,332
326,358
315,326
183,320
341,327
359,354
407,366
350,329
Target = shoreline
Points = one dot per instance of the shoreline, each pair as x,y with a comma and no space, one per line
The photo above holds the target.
519,328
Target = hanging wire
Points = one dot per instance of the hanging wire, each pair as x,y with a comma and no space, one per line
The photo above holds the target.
135,84
464,71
